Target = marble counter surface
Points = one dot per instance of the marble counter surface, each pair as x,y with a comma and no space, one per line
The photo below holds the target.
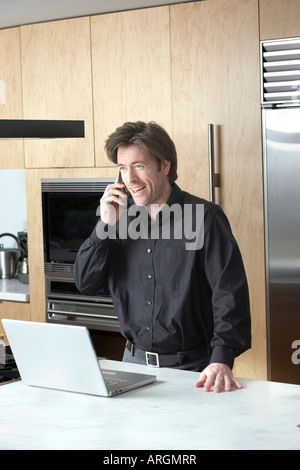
170,414
14,290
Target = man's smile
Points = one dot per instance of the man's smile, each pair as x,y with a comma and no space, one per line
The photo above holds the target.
137,189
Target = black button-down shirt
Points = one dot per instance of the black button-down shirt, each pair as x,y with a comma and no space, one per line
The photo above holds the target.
169,298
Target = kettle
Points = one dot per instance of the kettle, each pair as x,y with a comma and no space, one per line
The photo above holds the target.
8,259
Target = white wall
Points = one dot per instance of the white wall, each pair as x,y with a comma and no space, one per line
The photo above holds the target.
13,215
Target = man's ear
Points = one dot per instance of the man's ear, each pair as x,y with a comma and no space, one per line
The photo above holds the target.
165,167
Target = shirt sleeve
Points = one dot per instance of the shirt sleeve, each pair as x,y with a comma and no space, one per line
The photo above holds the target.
230,297
92,262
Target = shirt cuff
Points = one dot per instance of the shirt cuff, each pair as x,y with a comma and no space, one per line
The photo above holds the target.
99,234
223,355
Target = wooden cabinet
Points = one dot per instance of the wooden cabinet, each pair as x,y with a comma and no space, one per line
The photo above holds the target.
279,19
215,79
11,151
131,71
14,310
56,80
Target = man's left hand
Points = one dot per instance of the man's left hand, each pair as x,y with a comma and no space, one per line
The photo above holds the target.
219,376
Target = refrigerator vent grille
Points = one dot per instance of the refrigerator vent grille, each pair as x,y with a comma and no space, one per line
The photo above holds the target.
280,71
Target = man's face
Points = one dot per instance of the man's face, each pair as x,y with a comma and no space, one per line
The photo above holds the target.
145,179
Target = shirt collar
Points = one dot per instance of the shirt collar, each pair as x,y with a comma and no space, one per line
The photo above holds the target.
176,196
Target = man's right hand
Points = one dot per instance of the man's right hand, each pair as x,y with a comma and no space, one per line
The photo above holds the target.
112,203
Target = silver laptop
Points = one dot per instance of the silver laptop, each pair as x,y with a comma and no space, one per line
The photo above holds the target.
63,357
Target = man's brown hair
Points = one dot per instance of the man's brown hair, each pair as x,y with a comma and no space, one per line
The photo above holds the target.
150,136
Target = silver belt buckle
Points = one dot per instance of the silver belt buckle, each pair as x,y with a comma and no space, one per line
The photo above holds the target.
148,354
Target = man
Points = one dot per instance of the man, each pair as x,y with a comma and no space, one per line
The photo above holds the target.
170,263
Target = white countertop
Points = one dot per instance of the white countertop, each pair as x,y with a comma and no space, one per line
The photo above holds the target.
14,290
170,414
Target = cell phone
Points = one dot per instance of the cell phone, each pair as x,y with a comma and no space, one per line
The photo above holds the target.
125,190
120,180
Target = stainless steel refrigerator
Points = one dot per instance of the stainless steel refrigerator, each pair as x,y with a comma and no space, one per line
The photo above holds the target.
281,138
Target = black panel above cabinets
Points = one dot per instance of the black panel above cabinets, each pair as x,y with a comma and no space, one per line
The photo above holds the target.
40,129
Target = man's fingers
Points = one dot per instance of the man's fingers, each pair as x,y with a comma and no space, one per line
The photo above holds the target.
236,383
113,193
217,377
201,380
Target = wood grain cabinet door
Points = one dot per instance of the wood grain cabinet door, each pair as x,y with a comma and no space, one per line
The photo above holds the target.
279,19
57,84
215,80
11,151
131,71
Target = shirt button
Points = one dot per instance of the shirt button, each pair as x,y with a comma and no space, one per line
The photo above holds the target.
149,250
147,328
149,302
149,276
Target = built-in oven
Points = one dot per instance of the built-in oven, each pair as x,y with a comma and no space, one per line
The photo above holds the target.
65,304
70,213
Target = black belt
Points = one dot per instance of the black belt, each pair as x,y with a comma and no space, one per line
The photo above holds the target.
167,360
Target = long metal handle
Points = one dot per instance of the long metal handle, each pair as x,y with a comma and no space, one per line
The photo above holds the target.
214,178
81,314
105,302
211,162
